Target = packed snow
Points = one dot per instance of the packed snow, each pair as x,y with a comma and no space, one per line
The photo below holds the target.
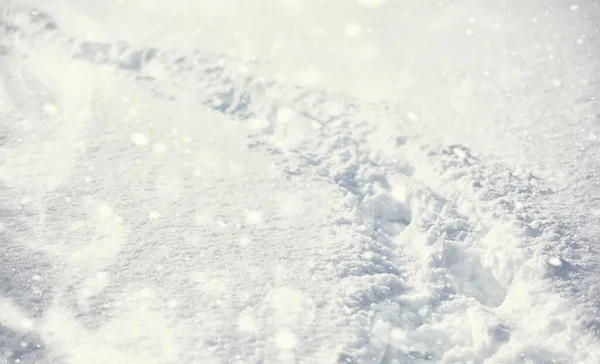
285,181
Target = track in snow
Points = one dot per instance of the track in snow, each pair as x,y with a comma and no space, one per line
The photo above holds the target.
278,232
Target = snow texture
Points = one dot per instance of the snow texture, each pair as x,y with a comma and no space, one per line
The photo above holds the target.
171,205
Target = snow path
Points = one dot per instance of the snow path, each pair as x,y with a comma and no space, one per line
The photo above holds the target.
297,231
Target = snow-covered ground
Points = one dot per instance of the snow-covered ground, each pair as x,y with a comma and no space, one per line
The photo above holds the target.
291,181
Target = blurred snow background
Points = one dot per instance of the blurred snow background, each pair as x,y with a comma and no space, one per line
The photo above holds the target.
293,181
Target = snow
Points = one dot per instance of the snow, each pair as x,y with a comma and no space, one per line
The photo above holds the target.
139,139
374,182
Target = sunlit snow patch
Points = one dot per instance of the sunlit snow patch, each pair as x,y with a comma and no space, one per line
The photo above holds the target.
555,261
139,139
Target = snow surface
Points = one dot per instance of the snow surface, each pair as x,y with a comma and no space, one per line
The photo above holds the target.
299,182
